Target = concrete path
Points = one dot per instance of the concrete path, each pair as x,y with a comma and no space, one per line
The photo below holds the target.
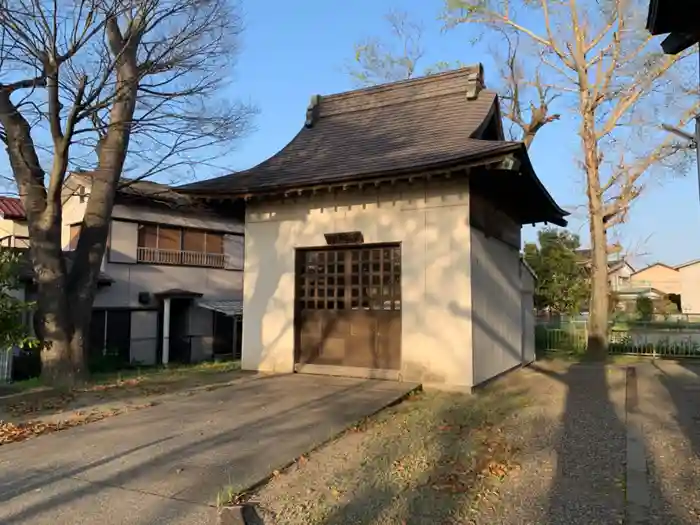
166,464
669,409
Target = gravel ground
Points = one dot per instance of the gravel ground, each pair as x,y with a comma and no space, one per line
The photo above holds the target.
571,442
670,407
453,459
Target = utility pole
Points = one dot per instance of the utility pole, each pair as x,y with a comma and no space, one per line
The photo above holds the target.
693,139
680,21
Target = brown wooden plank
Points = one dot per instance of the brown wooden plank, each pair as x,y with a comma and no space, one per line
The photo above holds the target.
347,322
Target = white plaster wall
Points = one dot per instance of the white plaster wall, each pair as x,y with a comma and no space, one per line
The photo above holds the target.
528,308
7,228
690,288
620,278
130,279
123,242
497,319
13,228
73,210
432,226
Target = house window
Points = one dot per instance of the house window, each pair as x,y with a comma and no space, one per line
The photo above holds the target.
74,236
160,244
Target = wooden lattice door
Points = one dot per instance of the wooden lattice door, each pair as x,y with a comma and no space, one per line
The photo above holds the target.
348,306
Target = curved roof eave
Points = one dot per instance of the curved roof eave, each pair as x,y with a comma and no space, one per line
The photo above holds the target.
525,158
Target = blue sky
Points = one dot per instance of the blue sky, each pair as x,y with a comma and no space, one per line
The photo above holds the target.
289,53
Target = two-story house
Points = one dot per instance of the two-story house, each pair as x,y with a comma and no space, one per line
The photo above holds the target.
619,270
13,223
172,274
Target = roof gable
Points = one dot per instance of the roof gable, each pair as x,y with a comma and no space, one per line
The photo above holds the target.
615,266
656,265
687,264
411,125
440,125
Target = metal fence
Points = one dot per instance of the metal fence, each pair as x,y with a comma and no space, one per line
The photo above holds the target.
6,357
654,339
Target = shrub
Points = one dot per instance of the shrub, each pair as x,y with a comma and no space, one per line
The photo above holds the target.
645,308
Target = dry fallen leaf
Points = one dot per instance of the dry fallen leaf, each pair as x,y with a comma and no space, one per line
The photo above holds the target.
13,432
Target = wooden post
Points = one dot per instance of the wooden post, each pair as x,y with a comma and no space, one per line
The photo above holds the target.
166,330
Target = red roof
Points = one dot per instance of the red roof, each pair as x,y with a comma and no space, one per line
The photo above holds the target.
12,208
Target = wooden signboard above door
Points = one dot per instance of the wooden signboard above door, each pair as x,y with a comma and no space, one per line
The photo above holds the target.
344,238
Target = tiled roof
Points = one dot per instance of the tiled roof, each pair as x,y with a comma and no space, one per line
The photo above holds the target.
145,189
152,191
409,125
12,208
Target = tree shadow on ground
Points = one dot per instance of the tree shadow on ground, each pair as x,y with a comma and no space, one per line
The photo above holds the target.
188,449
685,395
427,472
590,447
671,415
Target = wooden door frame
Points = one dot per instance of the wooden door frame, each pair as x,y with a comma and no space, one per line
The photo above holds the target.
298,258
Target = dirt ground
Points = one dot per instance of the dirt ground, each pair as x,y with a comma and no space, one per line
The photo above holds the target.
27,412
442,458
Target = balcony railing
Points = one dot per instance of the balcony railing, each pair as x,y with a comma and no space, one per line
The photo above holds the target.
180,258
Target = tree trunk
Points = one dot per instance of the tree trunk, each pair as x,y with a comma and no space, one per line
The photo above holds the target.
65,299
598,308
61,315
599,305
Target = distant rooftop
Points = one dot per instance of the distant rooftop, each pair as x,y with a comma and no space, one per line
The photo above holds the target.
12,208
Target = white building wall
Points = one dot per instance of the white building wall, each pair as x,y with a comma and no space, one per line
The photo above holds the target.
620,278
528,306
10,229
689,277
123,242
7,229
73,209
130,278
497,323
432,225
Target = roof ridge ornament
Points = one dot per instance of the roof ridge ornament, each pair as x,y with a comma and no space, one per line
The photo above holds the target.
312,111
475,82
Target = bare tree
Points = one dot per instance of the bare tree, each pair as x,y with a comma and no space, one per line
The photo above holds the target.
524,99
378,61
598,60
81,84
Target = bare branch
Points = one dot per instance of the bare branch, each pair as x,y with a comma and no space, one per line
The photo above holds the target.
107,87
598,58
376,61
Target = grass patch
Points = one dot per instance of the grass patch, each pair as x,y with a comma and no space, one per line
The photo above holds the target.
431,455
120,388
23,386
149,374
